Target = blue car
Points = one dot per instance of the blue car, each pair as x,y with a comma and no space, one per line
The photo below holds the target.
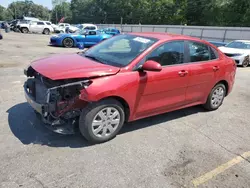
87,38
111,31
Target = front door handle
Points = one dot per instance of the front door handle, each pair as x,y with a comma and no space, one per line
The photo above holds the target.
216,68
183,73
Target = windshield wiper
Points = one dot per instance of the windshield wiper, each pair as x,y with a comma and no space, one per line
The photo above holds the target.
95,58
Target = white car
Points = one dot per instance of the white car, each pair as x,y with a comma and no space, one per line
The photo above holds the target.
36,27
60,28
239,50
88,26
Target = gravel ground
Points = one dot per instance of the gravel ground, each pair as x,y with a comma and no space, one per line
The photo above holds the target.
170,150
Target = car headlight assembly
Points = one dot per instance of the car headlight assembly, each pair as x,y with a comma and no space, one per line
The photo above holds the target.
55,36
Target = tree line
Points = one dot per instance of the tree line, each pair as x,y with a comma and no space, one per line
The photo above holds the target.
167,12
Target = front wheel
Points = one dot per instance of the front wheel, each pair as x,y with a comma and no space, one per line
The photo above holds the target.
68,43
46,31
101,121
245,63
216,97
24,30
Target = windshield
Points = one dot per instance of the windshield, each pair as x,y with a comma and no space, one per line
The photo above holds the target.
239,44
120,50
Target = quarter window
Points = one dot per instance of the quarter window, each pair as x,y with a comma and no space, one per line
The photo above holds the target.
198,52
214,54
171,53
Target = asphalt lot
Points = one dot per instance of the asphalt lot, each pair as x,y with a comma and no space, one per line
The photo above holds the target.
179,149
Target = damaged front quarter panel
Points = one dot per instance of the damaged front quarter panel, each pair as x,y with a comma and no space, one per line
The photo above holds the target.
56,101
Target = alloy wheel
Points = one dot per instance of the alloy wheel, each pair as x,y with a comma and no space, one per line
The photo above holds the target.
68,43
245,62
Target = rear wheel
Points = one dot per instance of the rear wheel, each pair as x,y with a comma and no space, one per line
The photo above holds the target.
245,62
46,31
101,121
24,30
68,43
216,97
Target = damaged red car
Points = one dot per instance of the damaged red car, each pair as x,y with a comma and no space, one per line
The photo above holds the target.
126,78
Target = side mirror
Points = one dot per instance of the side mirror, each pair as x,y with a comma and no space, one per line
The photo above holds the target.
151,66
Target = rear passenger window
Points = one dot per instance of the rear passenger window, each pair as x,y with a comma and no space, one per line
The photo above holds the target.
40,23
198,52
90,28
171,53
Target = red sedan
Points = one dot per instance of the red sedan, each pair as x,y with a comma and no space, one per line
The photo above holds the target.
126,78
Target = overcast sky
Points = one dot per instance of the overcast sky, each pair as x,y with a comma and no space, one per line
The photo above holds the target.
46,3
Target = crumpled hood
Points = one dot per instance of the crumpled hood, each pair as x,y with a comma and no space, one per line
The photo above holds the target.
71,66
234,50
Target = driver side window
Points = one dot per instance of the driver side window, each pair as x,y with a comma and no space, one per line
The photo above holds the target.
92,33
171,53
33,23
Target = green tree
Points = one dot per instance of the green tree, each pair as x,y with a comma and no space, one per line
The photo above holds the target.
61,10
4,14
28,8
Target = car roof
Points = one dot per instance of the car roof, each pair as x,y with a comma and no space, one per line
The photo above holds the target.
165,36
88,25
243,41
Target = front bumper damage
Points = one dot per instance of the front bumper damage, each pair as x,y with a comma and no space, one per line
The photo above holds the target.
56,106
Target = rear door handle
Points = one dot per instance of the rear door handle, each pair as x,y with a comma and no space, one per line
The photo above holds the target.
183,73
216,68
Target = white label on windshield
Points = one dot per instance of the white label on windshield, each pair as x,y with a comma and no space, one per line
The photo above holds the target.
140,39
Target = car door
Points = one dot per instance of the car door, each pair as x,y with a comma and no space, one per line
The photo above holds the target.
40,27
204,70
33,26
92,38
165,90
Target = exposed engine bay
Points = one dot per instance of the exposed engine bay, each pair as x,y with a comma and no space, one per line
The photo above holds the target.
55,101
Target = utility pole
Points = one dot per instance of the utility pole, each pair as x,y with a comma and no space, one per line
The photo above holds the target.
105,18
56,16
14,5
121,23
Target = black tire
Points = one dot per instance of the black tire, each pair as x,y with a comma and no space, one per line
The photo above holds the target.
88,114
245,62
24,30
68,42
208,105
46,31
